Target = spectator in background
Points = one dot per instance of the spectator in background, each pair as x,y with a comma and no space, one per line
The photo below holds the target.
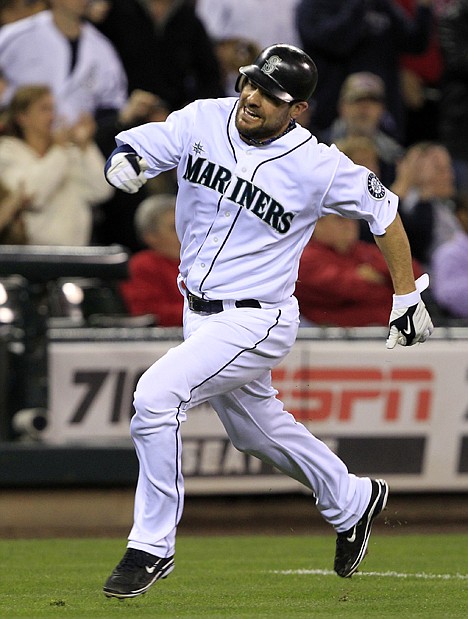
60,170
240,29
152,284
56,47
13,10
361,110
343,282
450,266
350,36
164,48
425,184
453,128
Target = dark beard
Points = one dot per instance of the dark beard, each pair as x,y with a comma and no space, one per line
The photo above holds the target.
258,137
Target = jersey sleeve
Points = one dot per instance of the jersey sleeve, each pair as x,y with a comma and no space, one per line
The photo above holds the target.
161,143
357,193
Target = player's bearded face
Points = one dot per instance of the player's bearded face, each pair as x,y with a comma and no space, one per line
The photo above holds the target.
259,116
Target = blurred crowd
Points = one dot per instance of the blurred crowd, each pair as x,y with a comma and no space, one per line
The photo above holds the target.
392,94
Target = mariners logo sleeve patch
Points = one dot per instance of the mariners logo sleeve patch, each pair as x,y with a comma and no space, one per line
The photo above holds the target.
375,187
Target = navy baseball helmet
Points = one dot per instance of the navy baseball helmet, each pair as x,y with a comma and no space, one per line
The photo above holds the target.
283,71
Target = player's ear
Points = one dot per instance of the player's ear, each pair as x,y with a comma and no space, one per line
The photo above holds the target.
298,108
240,83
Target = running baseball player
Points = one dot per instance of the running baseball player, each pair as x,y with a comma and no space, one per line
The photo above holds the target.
252,184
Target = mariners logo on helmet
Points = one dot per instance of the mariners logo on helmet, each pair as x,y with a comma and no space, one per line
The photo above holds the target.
271,64
283,71
375,187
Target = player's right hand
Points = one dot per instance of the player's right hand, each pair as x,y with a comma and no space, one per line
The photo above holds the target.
410,322
125,171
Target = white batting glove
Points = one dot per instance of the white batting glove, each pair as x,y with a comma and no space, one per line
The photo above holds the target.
126,172
410,322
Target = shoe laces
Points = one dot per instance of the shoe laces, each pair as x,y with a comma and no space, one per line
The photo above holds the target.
135,559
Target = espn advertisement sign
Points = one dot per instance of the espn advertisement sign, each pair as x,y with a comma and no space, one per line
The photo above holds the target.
402,414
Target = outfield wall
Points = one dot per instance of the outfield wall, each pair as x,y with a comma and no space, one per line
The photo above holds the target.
402,414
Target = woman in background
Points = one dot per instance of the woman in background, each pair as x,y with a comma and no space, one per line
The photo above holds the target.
59,168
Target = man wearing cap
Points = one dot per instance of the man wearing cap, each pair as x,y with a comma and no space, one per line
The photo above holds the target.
362,113
252,185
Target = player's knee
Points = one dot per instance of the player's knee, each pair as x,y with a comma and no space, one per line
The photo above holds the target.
250,445
157,403
148,418
157,392
155,408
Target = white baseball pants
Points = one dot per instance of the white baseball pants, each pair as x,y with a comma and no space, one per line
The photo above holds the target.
226,359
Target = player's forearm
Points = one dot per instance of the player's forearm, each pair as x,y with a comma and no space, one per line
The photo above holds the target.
395,248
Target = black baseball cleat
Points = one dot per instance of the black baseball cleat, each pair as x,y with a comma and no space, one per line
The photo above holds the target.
135,574
351,546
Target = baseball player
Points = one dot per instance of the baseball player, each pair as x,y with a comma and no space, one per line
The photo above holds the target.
252,184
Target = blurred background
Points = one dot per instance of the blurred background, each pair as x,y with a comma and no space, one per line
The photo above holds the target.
88,295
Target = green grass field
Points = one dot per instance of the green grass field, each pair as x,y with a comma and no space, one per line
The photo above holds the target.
405,577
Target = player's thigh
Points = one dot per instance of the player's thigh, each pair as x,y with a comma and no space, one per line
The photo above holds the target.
222,353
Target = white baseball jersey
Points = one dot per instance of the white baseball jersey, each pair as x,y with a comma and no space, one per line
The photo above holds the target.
244,213
34,51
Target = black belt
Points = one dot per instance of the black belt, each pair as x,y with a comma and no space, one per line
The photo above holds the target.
214,307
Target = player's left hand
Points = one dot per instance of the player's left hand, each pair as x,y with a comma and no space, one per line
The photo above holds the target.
410,321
